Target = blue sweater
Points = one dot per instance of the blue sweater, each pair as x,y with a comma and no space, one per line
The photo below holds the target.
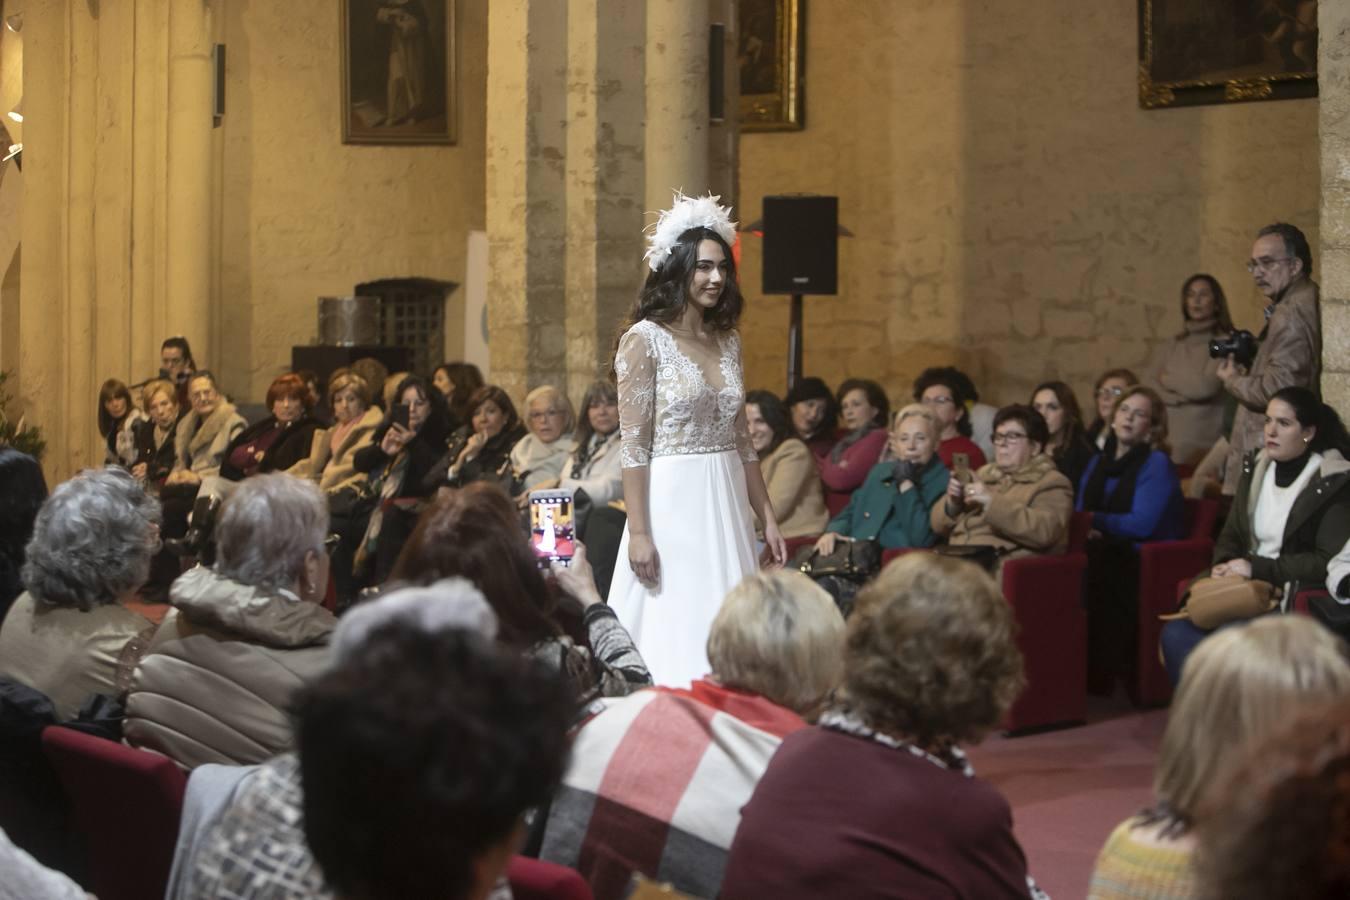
1158,511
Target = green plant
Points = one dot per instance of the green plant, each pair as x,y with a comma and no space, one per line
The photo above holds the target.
24,438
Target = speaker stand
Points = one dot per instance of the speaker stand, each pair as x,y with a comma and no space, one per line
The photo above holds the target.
794,357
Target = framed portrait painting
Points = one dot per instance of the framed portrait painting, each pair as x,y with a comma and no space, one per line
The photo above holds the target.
1225,51
398,71
770,58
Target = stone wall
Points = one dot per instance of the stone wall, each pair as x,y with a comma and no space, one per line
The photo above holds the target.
1334,85
1015,211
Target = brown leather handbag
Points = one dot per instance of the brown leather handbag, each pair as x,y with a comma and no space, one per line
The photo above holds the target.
1212,602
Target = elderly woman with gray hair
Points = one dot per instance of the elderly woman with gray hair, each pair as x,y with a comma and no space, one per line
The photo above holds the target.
776,650
218,678
70,635
537,459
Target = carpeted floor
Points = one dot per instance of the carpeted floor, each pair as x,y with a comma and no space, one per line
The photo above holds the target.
1069,788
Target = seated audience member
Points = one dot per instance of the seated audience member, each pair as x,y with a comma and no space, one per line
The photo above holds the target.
878,799
374,373
154,441
814,415
118,422
397,461
70,635
1276,826
321,405
457,381
1338,575
790,473
776,650
1020,503
279,442
1236,693
177,366
1291,513
1133,494
943,390
410,670
475,533
1068,444
484,454
1108,389
390,393
593,465
892,505
537,458
219,676
204,433
23,489
1186,377
865,411
332,458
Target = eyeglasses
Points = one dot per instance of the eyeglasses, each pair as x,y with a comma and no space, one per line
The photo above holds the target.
1103,393
937,401
1265,263
1008,437
539,415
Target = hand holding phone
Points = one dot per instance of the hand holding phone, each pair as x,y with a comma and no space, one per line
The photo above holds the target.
961,467
552,526
400,414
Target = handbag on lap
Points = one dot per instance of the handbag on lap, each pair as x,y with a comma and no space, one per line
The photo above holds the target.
1211,602
853,560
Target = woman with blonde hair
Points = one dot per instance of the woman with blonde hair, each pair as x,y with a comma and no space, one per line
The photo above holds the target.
537,458
1238,688
154,442
776,651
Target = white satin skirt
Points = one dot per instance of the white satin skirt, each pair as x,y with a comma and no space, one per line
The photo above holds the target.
705,539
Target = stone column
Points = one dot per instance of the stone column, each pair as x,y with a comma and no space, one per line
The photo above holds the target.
677,100
526,151
604,186
1332,264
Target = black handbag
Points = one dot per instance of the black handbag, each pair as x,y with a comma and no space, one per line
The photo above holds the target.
852,560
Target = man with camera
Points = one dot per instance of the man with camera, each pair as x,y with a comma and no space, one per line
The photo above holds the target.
1290,351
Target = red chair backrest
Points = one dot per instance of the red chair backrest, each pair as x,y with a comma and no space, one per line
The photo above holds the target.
835,502
127,803
1080,523
1201,515
534,879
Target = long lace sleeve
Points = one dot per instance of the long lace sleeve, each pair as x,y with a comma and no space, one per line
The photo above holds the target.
635,366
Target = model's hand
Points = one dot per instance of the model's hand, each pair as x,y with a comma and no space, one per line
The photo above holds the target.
825,543
773,540
577,580
643,559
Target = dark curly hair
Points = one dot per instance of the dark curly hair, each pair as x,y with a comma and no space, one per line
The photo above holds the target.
1313,413
1032,422
931,653
956,381
419,754
876,398
775,415
667,289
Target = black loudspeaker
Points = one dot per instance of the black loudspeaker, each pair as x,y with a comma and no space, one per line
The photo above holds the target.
801,245
717,46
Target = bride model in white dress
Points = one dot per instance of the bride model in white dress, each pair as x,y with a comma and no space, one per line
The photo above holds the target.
690,476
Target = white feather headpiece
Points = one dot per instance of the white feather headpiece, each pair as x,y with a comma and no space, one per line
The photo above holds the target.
686,213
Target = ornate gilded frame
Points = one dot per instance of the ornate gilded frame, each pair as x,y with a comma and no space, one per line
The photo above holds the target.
357,28
1272,85
783,108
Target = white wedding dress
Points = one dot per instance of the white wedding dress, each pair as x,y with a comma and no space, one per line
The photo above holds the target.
681,415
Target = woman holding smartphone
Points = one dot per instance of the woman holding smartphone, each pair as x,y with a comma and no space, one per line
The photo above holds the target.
690,473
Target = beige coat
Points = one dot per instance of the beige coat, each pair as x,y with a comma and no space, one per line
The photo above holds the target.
1290,356
336,470
202,450
1187,379
795,491
1029,512
216,684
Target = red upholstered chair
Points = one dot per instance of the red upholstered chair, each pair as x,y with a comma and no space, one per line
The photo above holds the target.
127,804
835,502
1163,565
534,879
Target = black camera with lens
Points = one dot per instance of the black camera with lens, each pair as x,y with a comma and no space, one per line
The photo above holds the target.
1241,345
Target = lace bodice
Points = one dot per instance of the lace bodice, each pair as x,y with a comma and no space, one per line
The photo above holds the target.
678,395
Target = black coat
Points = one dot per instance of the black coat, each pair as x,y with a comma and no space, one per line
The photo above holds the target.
423,450
290,447
158,462
493,462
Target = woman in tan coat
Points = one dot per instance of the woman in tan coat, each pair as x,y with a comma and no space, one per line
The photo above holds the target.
790,471
1020,503
1184,375
354,423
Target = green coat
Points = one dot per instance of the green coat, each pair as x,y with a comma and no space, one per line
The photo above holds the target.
1317,528
878,510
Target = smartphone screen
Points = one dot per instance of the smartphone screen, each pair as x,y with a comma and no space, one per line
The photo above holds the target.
552,528
400,414
961,465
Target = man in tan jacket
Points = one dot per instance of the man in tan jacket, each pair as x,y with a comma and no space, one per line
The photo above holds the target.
1291,342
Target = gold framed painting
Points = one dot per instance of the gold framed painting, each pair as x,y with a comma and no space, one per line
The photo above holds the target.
770,56
1195,52
398,71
